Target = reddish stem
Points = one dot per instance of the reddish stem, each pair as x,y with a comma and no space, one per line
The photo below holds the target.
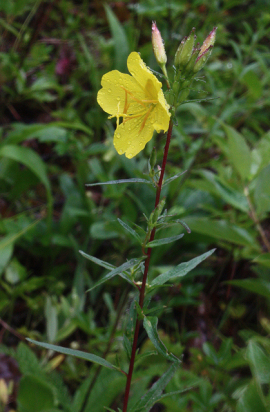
146,267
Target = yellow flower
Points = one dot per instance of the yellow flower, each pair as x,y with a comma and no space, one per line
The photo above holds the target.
137,99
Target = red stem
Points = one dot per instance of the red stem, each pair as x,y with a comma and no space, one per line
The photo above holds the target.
146,267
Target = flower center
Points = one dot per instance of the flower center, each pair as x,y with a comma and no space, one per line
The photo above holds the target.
147,106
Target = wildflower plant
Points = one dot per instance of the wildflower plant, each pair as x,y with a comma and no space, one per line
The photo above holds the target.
140,107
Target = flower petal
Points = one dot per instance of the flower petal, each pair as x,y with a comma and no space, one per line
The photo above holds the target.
130,138
141,73
112,96
160,117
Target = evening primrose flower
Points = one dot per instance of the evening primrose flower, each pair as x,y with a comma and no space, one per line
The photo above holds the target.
138,101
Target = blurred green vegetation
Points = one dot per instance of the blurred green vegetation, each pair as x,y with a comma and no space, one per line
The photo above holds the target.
55,139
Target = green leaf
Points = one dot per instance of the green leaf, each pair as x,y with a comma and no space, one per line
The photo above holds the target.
103,231
259,362
262,191
171,179
6,250
51,319
251,400
253,83
27,360
120,40
80,394
231,196
164,241
150,325
155,393
77,353
31,160
263,259
118,271
7,244
15,272
259,286
222,230
116,182
99,262
34,395
180,270
240,155
130,230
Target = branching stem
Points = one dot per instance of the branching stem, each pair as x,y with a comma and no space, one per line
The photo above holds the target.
146,267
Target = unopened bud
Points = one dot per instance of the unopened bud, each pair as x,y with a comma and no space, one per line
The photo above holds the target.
158,210
202,59
209,41
178,52
193,59
185,49
158,45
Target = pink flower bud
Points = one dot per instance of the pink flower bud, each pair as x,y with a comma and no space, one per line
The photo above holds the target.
158,46
209,41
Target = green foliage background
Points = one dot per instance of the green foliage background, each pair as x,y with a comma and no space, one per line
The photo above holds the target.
55,139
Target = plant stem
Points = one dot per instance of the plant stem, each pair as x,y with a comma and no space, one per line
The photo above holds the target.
256,220
146,267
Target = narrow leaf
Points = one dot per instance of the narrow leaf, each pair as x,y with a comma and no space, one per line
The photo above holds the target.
99,262
77,353
118,271
259,286
180,270
164,241
167,395
223,230
240,155
116,182
259,362
154,394
120,40
167,181
183,224
150,325
262,191
130,230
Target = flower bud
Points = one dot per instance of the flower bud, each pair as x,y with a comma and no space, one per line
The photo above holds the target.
209,41
178,52
202,59
184,51
193,59
158,210
158,46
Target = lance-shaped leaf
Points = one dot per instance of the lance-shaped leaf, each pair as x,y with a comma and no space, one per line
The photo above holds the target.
167,181
116,182
130,230
99,262
150,325
77,353
180,270
118,271
154,393
259,362
164,241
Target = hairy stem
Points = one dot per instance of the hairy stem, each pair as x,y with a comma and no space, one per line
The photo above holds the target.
146,267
